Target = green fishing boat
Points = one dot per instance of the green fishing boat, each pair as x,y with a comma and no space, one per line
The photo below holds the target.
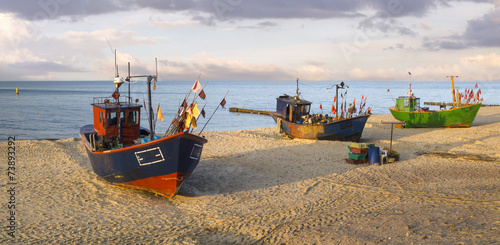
461,114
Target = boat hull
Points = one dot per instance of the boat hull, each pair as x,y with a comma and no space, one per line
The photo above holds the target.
159,166
344,130
457,117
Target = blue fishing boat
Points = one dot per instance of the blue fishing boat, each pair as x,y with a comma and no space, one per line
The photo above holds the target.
125,154
294,120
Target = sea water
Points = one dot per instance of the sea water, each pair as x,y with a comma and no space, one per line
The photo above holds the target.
57,109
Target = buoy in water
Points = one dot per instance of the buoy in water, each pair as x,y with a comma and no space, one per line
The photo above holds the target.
17,90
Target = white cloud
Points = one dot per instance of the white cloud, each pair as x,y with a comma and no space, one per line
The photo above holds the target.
491,60
472,68
312,72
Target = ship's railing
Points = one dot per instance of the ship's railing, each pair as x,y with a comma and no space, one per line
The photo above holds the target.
108,100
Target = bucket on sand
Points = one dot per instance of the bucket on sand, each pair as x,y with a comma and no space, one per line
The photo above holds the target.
374,155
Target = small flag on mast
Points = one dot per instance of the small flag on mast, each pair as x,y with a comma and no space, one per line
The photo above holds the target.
160,114
203,112
187,121
196,86
193,123
195,111
223,103
115,95
202,94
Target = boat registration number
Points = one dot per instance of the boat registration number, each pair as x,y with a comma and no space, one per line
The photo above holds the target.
149,156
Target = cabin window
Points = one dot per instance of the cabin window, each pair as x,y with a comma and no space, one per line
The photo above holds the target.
417,102
101,117
302,110
112,118
122,117
406,102
306,109
132,117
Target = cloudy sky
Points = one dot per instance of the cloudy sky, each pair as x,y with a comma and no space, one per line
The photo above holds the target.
379,40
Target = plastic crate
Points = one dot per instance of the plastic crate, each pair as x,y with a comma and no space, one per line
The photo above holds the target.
352,161
356,156
359,151
359,145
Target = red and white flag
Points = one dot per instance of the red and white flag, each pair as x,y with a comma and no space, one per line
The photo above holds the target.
196,87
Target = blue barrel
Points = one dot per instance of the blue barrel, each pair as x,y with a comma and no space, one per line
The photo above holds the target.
374,155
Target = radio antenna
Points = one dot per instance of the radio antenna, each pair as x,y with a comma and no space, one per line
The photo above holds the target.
114,53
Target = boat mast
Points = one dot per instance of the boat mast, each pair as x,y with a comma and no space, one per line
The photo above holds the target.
116,66
337,86
453,91
151,113
129,98
151,135
409,82
298,89
117,81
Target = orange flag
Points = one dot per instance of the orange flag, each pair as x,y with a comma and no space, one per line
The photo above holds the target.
160,114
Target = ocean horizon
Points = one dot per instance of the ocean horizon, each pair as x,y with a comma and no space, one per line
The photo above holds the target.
58,109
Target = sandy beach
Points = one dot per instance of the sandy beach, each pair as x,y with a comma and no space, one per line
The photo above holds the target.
256,187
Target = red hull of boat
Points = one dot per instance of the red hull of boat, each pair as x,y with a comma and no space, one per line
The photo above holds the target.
165,185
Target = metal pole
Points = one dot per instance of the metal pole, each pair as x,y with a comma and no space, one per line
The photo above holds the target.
392,128
129,99
337,102
297,88
453,88
150,109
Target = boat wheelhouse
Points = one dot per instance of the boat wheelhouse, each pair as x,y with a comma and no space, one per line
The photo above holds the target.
292,108
116,121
